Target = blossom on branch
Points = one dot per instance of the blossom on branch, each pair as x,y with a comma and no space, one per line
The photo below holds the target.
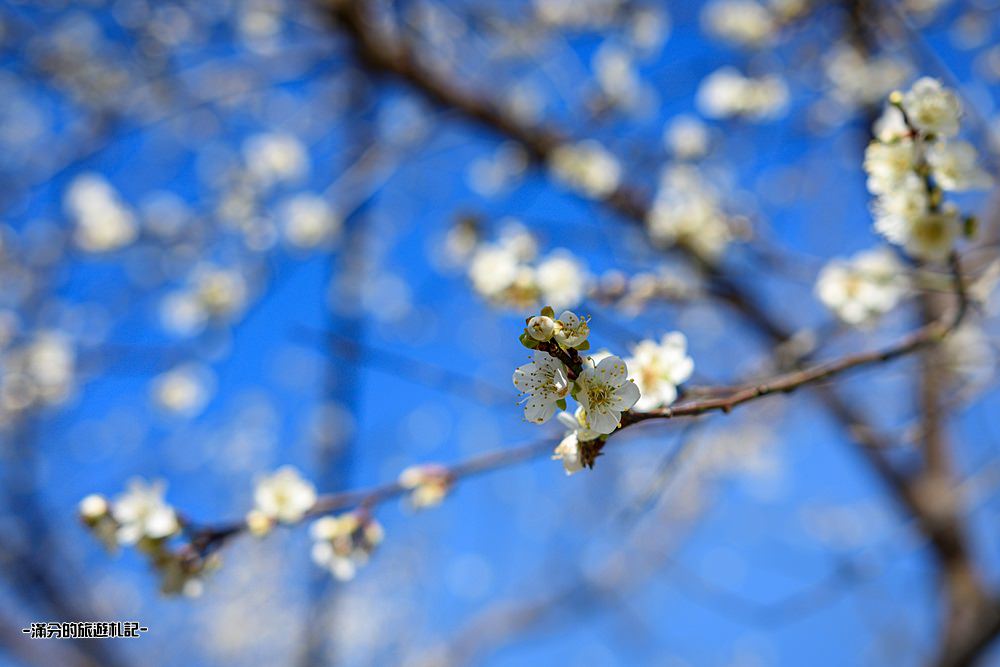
659,368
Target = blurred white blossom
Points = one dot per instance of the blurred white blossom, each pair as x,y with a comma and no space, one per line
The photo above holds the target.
861,289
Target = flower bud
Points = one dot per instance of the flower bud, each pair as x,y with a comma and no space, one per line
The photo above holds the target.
259,523
541,327
93,508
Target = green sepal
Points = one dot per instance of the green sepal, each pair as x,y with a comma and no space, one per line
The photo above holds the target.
548,312
561,403
584,346
528,341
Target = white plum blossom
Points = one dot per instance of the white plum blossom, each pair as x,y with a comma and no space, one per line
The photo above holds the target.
571,330
686,137
184,390
103,223
142,512
220,292
309,221
344,542
953,165
743,22
544,382
284,495
891,125
932,236
725,93
889,164
931,108
587,167
616,74
687,211
428,484
863,288
861,78
493,270
911,165
605,391
561,280
896,209
577,422
568,451
275,157
659,368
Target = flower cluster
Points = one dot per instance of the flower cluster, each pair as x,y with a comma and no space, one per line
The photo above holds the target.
912,162
725,93
687,211
509,271
587,167
659,369
141,517
182,553
427,484
342,543
599,383
282,497
103,222
861,289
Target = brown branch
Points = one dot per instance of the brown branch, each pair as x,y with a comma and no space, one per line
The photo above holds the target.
212,537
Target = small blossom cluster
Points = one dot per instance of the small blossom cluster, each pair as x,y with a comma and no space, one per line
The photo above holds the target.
103,222
142,518
587,168
343,543
912,162
861,289
725,93
510,273
183,554
40,371
748,22
687,211
427,484
599,383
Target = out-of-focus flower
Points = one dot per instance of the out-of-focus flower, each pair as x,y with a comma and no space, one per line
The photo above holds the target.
587,167
687,212
284,495
743,22
561,280
616,75
954,166
932,108
659,368
888,165
428,484
568,451
932,236
345,542
103,223
686,137
220,292
726,93
184,390
862,79
308,221
275,157
142,512
863,288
